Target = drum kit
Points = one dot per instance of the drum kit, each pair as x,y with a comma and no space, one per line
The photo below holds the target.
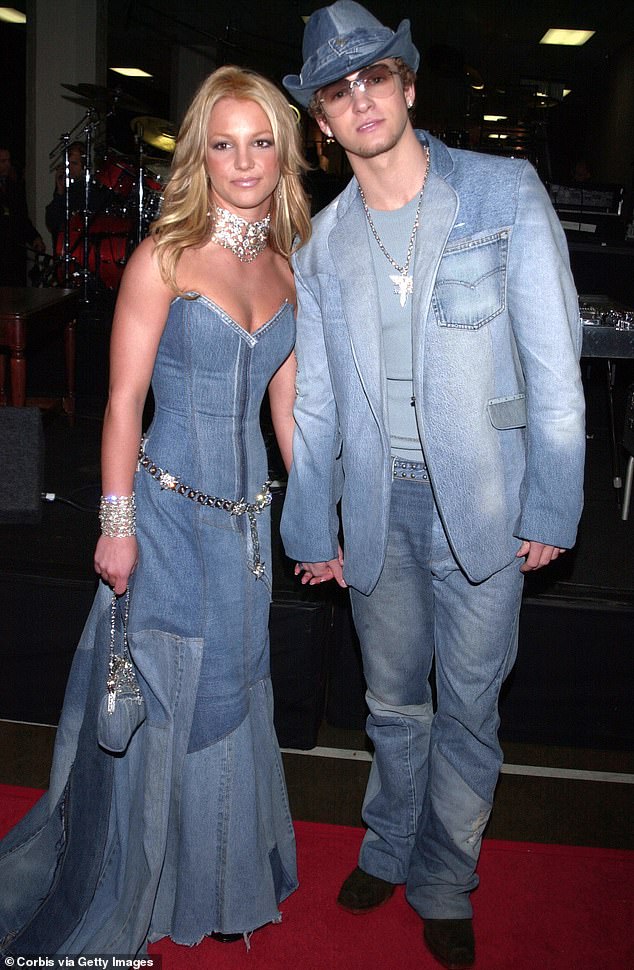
120,193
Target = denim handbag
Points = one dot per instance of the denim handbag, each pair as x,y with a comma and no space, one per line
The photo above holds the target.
122,709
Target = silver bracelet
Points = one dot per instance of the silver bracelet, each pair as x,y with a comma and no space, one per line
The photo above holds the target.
117,515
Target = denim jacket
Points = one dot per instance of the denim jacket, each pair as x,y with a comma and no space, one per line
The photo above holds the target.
496,341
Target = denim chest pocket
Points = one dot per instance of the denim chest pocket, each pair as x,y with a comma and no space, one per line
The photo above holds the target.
470,287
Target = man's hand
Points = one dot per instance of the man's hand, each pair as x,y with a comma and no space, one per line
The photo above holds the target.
537,555
60,180
313,573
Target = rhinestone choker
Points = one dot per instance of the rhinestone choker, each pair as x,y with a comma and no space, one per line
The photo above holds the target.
245,239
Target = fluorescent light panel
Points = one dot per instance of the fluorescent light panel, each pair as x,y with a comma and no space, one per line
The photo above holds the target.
566,38
494,117
130,71
12,16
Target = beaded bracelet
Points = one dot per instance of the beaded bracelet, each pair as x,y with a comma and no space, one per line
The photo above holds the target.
117,514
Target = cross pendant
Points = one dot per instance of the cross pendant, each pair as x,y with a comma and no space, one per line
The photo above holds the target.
403,285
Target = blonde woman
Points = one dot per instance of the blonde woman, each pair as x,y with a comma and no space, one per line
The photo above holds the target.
187,831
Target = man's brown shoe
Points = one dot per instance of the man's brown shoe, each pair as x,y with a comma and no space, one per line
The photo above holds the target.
451,942
362,892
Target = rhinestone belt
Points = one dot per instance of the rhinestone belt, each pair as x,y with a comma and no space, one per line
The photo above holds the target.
250,509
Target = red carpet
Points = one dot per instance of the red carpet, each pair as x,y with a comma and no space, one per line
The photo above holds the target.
540,907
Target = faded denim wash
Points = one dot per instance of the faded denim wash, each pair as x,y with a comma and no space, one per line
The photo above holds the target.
432,779
496,337
189,832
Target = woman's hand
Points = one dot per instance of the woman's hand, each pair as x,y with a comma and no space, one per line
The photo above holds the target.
313,573
115,561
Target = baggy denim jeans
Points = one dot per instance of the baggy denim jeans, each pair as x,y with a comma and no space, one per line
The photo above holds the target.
434,772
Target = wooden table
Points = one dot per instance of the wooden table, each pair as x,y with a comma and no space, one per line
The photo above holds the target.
25,314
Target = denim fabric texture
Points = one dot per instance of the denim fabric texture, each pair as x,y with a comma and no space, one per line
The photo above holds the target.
432,565
432,779
494,312
341,39
189,832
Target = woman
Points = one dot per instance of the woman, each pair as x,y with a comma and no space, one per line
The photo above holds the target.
187,833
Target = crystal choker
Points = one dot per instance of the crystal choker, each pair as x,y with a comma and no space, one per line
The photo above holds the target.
245,239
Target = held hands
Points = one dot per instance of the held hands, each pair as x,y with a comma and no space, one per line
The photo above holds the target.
321,572
537,555
115,560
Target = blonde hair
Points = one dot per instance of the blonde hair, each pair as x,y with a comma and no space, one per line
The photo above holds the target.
184,219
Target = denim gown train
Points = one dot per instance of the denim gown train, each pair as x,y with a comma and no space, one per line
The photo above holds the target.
189,831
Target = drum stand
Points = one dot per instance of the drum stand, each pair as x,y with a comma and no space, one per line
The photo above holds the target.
97,250
145,189
90,122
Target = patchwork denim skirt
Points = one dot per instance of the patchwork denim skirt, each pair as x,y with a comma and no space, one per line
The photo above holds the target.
188,831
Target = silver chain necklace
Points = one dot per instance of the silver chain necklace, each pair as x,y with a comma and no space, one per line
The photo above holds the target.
403,283
245,239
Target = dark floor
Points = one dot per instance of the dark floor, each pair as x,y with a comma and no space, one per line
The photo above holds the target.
578,791
595,808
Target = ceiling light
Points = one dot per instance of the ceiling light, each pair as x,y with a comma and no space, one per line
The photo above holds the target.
567,38
12,16
495,135
494,117
566,92
130,71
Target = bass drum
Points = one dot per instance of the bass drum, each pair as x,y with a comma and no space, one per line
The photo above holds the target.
154,182
111,238
109,246
116,174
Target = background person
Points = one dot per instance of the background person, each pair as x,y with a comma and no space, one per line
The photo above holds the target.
56,209
16,229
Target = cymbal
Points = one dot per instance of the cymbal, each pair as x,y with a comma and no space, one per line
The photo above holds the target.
156,132
84,102
160,166
95,93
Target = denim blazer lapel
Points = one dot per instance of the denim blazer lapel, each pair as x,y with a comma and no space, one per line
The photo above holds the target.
360,301
438,214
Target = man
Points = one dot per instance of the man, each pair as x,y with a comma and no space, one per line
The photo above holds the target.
16,229
439,398
56,209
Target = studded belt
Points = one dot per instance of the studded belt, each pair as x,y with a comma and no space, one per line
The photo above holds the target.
174,484
413,471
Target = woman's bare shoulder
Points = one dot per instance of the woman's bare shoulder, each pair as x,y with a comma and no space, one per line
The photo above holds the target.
142,283
142,268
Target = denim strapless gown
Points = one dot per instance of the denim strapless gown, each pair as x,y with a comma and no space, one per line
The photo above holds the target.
189,831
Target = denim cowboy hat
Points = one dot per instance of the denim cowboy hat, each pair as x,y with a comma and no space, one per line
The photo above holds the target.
341,39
